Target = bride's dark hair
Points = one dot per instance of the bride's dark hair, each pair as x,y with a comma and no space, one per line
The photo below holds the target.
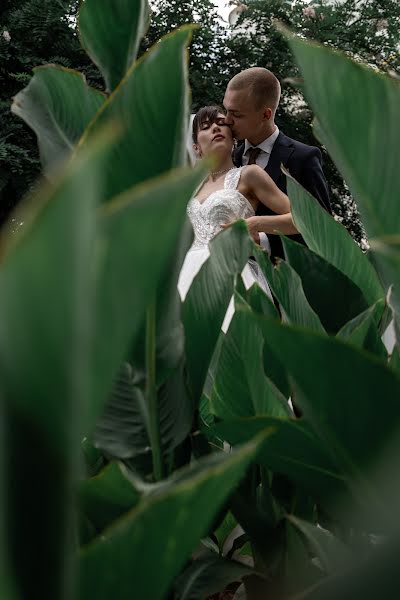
207,113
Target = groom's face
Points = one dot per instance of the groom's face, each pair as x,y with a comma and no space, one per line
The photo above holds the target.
244,119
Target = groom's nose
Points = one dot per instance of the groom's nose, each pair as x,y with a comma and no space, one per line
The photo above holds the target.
228,119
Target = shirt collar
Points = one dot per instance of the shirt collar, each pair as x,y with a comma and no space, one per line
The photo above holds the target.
266,145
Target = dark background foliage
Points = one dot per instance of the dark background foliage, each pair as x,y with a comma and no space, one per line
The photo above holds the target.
34,32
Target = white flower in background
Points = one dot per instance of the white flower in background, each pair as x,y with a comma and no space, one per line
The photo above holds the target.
6,36
382,25
309,11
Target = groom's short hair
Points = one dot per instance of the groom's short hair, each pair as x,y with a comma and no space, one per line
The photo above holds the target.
261,84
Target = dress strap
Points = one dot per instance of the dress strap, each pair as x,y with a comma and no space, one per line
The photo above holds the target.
232,178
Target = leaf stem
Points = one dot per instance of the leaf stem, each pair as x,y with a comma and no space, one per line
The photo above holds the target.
151,393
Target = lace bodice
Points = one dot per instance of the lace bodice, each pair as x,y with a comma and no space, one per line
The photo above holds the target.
222,206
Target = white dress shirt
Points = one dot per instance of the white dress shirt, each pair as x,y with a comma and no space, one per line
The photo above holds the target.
262,161
265,147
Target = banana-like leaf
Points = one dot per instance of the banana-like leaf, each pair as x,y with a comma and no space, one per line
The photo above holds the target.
241,388
319,365
151,106
293,449
357,109
47,285
130,269
207,576
331,552
288,289
170,335
122,432
332,241
386,257
206,303
174,517
331,294
58,105
376,576
362,331
107,496
110,32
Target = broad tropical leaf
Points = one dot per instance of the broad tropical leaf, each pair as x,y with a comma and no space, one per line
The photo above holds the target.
181,510
206,303
355,108
292,449
358,446
331,294
151,106
130,269
107,496
288,289
362,331
110,32
208,575
331,552
241,388
47,284
58,105
331,240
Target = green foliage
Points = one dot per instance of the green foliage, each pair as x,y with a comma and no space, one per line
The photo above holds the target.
96,346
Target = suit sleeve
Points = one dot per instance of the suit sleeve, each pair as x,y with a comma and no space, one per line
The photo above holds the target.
312,178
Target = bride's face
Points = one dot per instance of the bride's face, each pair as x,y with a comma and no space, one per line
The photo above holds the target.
214,138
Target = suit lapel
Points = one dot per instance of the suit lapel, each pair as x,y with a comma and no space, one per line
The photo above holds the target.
280,154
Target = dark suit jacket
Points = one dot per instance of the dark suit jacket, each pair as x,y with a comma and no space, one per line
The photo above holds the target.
304,163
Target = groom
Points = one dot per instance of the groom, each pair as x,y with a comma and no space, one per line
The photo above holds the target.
250,101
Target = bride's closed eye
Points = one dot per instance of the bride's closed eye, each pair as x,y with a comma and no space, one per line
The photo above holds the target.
206,124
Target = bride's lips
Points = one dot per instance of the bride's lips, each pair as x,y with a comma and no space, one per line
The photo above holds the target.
218,136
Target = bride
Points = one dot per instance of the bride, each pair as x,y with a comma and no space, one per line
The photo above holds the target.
226,195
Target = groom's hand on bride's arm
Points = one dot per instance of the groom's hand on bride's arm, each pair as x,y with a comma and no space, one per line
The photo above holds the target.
253,231
272,224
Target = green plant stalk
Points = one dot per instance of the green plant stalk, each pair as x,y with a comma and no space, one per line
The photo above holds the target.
151,393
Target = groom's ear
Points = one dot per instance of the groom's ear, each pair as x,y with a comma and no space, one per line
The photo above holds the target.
268,113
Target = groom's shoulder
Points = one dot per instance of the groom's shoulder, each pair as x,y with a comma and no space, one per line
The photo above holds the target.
300,147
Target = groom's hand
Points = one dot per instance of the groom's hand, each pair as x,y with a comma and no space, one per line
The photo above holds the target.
252,226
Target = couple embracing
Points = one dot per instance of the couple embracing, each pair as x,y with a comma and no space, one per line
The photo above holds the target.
254,189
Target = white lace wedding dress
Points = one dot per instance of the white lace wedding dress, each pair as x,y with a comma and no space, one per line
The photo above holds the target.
222,206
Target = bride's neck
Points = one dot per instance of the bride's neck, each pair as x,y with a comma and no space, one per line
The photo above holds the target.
223,165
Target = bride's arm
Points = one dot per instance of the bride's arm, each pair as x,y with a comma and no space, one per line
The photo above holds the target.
260,185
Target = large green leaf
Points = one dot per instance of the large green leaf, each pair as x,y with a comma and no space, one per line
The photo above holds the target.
208,298
386,256
131,269
58,105
46,289
241,388
122,432
376,576
293,449
331,294
151,105
356,110
337,382
107,496
207,576
331,552
331,240
110,33
363,331
288,289
174,518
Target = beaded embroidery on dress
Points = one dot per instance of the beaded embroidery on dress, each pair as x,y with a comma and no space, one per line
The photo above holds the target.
222,206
